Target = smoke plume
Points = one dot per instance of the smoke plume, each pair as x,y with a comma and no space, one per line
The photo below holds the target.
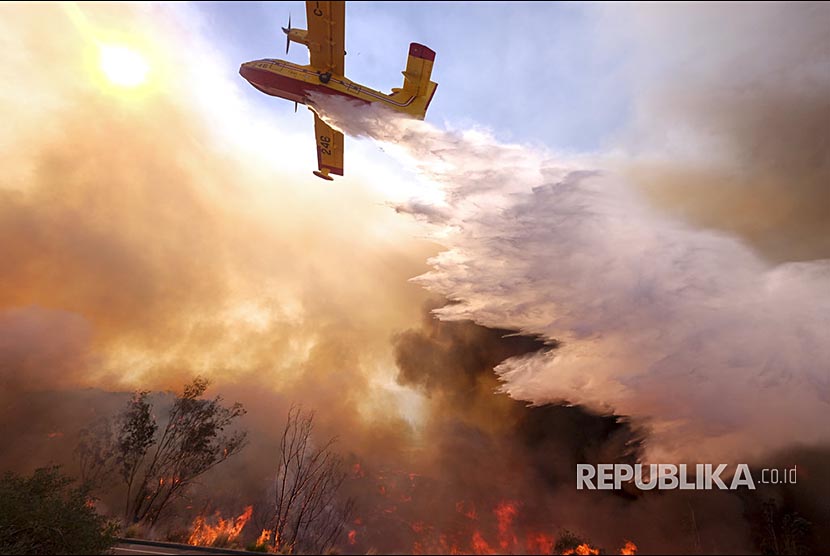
688,331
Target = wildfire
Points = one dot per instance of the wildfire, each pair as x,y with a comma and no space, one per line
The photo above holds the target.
630,548
505,512
500,527
480,546
225,530
497,533
264,537
582,550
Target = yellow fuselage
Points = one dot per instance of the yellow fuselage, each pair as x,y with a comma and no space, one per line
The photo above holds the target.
295,82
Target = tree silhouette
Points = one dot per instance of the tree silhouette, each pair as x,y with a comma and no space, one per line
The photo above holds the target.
308,517
157,467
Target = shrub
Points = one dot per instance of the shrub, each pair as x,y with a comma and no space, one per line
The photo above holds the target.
46,514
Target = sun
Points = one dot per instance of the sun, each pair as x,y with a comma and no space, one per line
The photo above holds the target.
123,66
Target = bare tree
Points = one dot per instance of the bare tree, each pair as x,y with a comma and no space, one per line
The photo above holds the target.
309,518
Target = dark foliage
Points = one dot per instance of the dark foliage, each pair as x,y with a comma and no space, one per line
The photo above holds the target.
46,514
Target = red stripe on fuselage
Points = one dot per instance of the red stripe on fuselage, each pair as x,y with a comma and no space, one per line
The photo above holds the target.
295,90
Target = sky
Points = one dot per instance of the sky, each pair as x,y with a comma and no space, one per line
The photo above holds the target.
530,72
641,187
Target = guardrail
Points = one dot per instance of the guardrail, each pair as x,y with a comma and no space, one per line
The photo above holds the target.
188,547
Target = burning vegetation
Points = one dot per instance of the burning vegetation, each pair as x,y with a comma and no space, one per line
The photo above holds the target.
157,466
319,500
501,539
218,531
484,475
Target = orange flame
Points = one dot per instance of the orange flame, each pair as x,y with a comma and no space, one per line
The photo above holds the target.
477,536
582,550
480,546
630,548
264,537
228,530
505,513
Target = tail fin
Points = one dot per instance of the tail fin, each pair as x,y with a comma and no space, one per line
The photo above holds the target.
416,79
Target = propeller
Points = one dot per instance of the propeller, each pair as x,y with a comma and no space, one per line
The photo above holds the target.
287,36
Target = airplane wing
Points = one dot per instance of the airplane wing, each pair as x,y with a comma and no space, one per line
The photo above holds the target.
329,149
327,35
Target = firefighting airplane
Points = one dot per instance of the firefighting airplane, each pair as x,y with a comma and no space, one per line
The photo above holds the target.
325,39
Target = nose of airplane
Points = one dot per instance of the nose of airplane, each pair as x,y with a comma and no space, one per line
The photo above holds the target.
255,76
245,70
251,74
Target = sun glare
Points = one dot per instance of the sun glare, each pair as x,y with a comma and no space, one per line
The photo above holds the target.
123,66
